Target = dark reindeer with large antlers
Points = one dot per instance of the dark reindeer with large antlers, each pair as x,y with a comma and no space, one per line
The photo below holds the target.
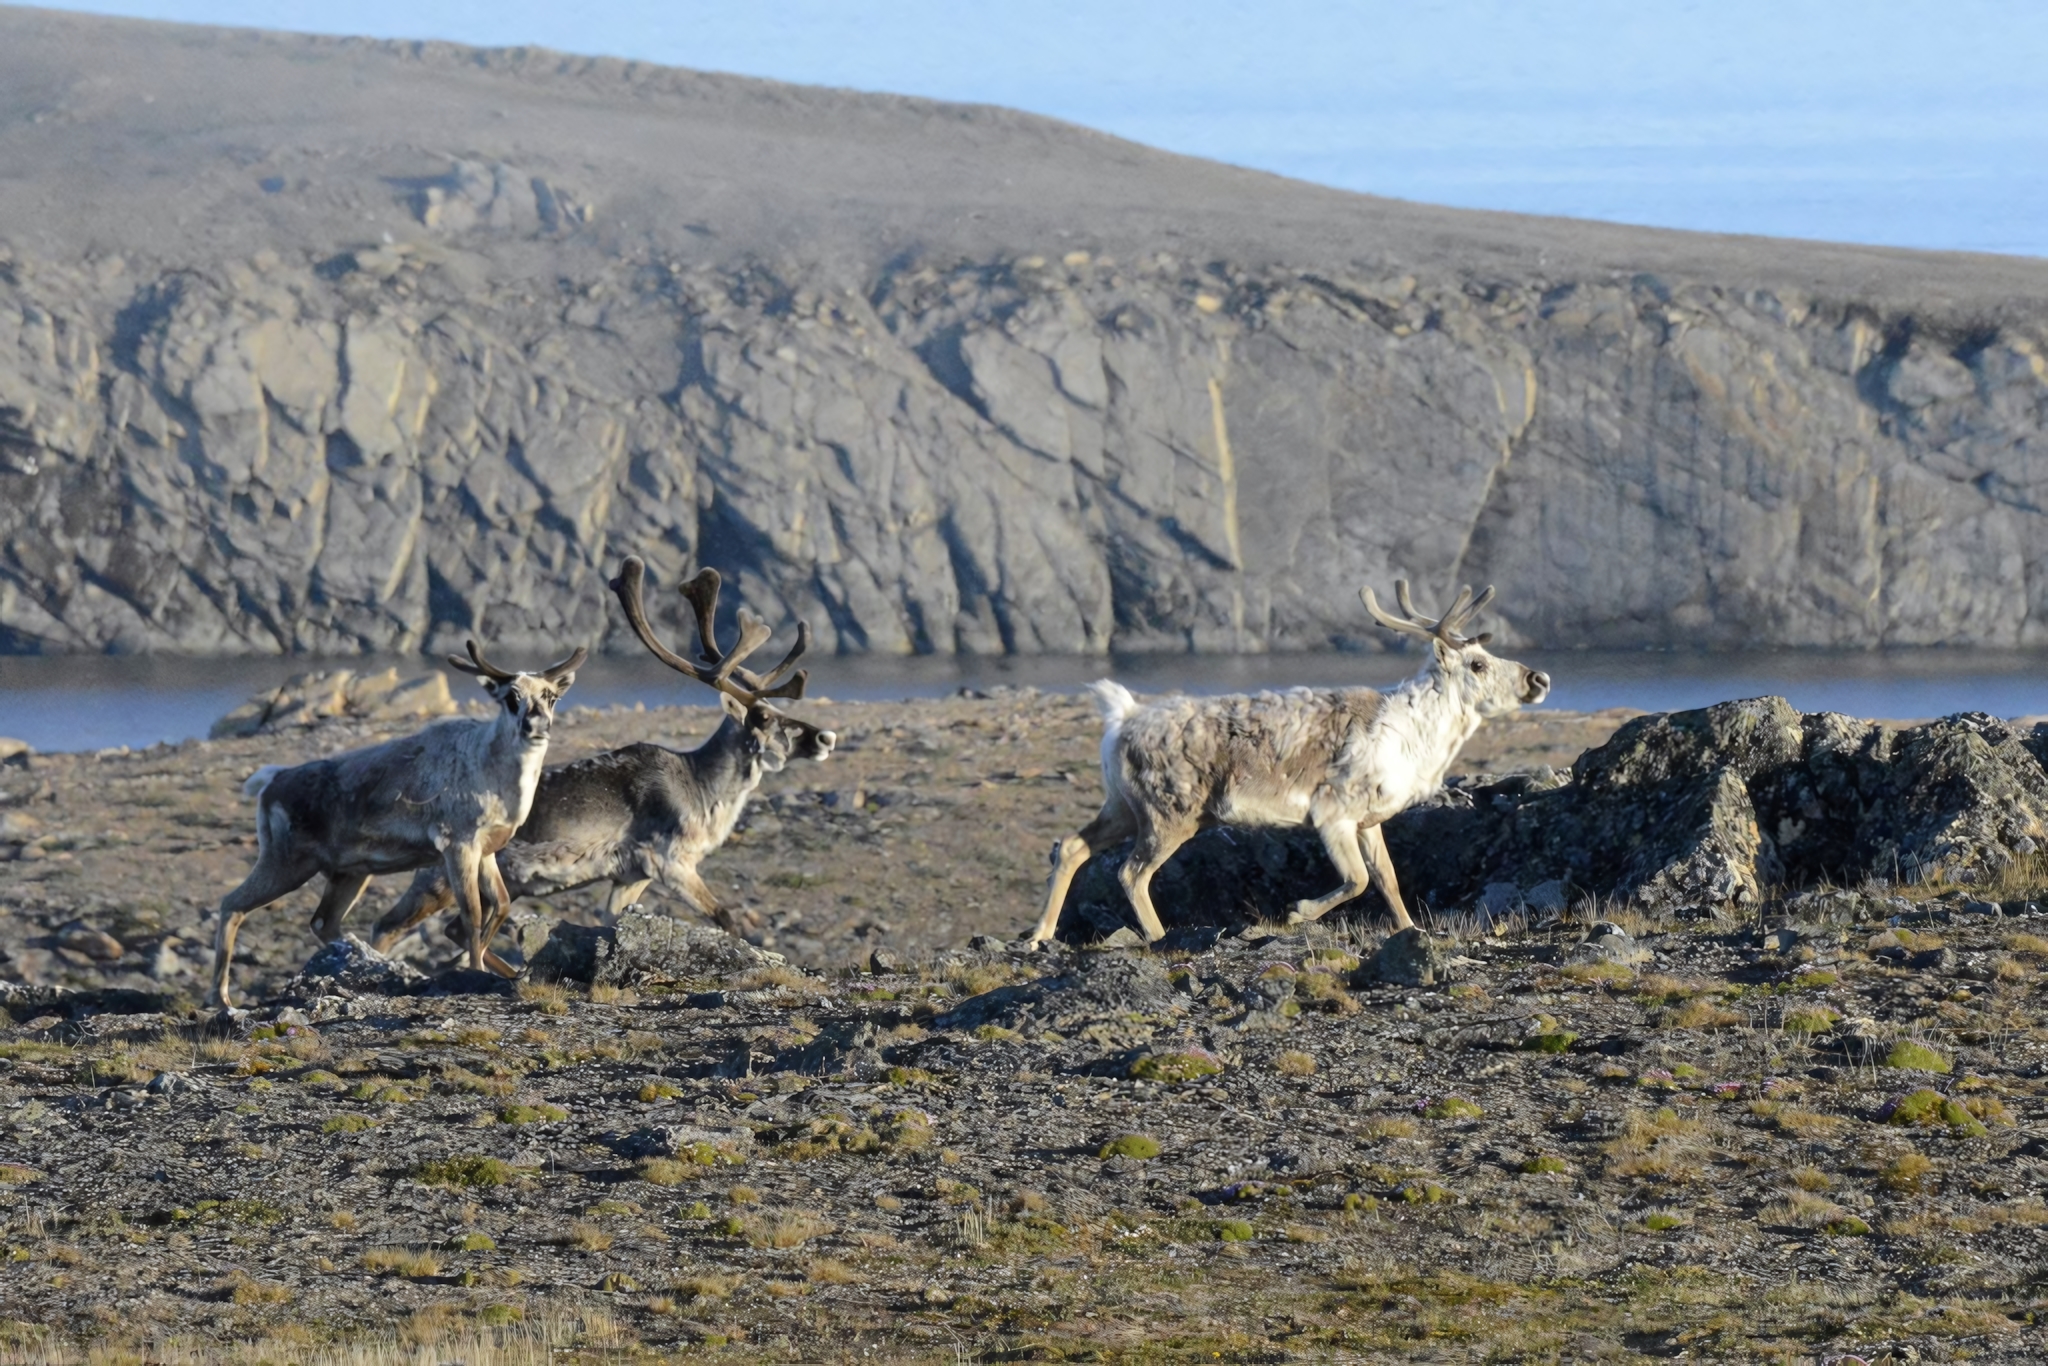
448,796
632,815
1340,759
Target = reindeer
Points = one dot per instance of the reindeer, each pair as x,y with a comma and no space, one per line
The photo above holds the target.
452,793
632,815
1342,760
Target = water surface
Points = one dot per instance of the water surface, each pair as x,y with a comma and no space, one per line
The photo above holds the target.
97,702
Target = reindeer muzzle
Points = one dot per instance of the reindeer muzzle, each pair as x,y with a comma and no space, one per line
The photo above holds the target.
1535,686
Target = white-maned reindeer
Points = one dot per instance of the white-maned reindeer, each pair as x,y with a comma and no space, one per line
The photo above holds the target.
452,794
1340,759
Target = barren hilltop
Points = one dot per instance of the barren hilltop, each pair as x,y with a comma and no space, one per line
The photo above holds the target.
332,345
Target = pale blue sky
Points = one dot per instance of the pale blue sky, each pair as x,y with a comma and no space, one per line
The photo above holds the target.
1907,122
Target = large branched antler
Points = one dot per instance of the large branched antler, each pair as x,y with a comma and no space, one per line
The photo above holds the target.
483,668
720,669
1444,628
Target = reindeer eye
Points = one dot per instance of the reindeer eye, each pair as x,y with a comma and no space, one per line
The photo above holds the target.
1479,666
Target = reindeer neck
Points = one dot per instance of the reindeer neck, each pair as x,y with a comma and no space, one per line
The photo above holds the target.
722,761
1433,719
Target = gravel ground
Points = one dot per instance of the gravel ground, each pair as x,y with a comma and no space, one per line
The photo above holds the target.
1696,1139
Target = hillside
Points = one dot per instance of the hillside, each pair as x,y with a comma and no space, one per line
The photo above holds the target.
323,345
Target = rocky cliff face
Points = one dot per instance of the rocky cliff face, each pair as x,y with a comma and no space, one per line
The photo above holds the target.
926,436
386,450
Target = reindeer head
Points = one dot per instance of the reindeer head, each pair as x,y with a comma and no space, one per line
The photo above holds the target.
528,698
772,737
1488,685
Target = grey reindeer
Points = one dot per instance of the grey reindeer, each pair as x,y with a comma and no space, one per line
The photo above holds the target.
632,815
449,795
1339,759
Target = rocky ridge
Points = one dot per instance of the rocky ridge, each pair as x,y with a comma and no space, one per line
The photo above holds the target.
929,431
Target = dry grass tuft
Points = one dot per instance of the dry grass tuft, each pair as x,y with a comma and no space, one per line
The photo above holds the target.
413,1263
1294,1063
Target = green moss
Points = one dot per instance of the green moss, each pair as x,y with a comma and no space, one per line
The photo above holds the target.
699,1210
1915,1057
1928,1108
1658,1221
1808,1020
909,1076
1234,1231
1452,1107
466,1171
660,1090
1331,960
1538,1166
1130,1145
1420,1192
500,1315
1175,1067
319,1077
348,1124
1848,1226
532,1114
379,1093
472,1242
1550,1041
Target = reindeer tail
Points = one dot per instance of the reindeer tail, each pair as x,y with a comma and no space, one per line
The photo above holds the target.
260,779
1113,700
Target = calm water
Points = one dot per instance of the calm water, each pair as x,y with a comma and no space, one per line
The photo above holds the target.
98,702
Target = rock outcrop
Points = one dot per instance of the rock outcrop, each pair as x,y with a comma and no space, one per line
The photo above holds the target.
1707,812
1140,403
339,694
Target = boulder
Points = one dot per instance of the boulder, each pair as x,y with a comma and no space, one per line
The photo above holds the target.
339,694
348,966
1412,958
1098,987
14,753
645,948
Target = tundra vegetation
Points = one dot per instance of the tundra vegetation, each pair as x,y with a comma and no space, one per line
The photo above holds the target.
1784,1145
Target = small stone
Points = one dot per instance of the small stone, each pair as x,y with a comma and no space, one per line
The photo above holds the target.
1124,938
986,943
1410,958
1546,897
82,938
882,962
166,963
175,1084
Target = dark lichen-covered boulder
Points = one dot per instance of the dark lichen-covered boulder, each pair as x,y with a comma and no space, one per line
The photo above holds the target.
1102,986
644,948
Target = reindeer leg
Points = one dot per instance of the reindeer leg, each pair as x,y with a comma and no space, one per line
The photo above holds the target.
266,882
343,891
463,868
1382,868
428,894
1112,825
1154,848
626,895
501,899
1340,842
